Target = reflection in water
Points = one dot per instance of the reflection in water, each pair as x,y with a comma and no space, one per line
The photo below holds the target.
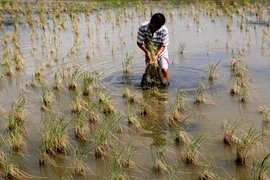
154,114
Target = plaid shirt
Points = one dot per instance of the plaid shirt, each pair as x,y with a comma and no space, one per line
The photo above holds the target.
159,38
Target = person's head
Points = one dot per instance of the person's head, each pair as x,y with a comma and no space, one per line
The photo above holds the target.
157,20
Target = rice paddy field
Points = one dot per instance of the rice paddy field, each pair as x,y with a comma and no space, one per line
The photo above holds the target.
71,104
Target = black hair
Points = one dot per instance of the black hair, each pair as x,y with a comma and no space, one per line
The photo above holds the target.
158,19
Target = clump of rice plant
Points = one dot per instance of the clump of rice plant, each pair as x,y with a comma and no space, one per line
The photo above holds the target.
131,95
87,81
133,118
199,97
260,167
180,100
159,163
78,166
244,145
229,132
57,83
55,139
18,61
46,99
181,136
81,126
148,104
174,115
182,47
127,63
233,61
107,131
191,153
73,79
13,171
106,103
208,174
93,112
17,109
244,94
213,69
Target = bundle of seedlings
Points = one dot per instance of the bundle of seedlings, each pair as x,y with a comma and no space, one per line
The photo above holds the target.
93,109
153,75
229,132
46,99
191,153
73,78
244,145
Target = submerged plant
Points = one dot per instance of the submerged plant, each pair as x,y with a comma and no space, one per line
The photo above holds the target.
213,69
244,145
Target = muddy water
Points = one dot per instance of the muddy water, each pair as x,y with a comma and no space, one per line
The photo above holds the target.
207,41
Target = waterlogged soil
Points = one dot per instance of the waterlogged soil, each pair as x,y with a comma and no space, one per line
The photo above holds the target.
107,34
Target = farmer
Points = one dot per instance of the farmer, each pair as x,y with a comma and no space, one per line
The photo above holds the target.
156,33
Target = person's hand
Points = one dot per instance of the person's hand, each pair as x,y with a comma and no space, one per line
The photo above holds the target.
148,55
155,58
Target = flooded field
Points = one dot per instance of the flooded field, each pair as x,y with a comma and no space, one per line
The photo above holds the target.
72,106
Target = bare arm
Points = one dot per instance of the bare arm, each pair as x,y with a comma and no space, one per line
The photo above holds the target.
145,50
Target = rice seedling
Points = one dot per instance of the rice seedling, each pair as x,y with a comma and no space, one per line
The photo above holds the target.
199,97
108,128
180,100
233,62
57,83
87,81
77,104
122,160
191,153
8,69
73,79
93,111
181,136
81,126
17,109
54,140
208,174
260,166
174,115
244,94
182,47
36,82
244,145
78,166
13,171
106,103
18,61
127,63
133,118
38,72
213,69
46,99
130,95
148,104
158,160
229,131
